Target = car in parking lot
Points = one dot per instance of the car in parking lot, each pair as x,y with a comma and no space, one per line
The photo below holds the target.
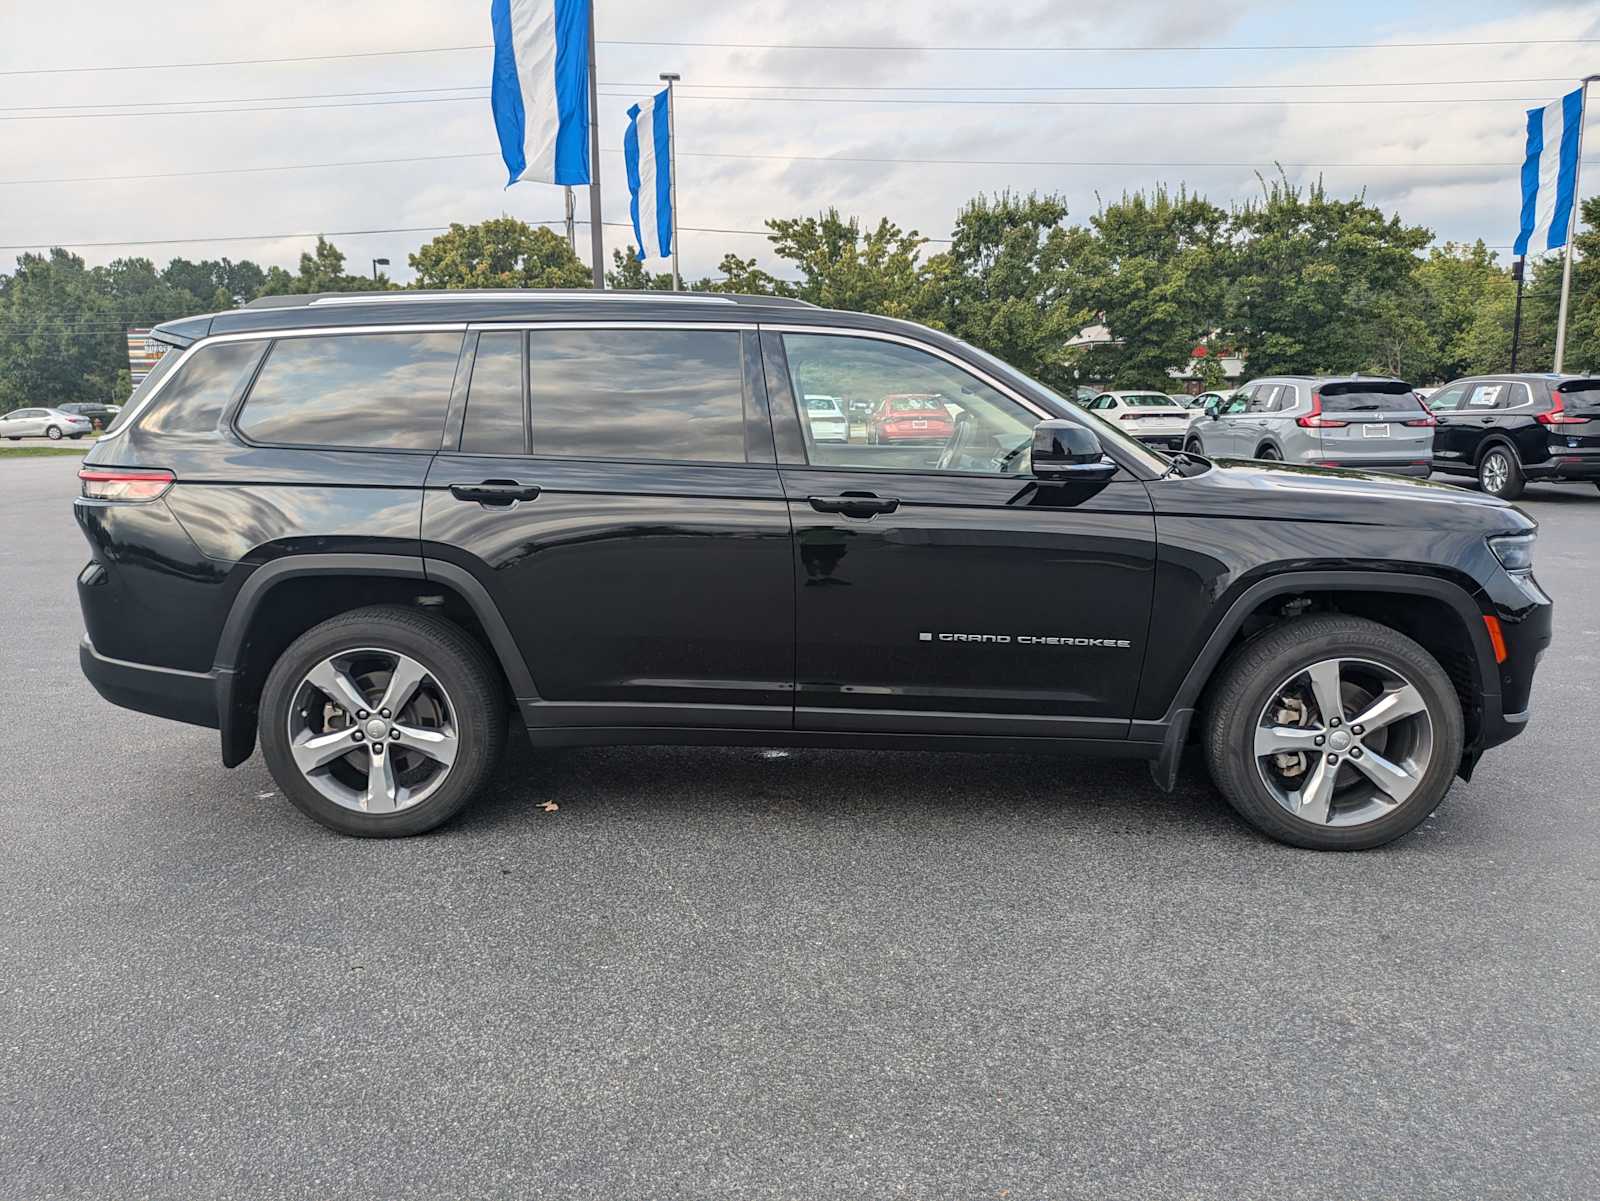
364,529
826,419
1509,429
910,419
100,415
1321,421
54,424
1154,418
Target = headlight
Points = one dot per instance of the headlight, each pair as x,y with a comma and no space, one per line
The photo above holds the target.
1515,551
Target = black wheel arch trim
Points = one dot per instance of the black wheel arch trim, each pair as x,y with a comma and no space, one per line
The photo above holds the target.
1289,583
1492,441
238,733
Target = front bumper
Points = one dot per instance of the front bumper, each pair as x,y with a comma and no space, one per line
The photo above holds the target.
1526,629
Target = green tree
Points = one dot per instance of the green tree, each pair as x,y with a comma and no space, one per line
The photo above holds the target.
628,274
842,267
501,253
1309,270
745,277
61,337
1156,272
321,270
1006,283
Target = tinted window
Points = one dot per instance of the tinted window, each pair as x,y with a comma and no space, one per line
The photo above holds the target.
191,405
1580,395
1446,400
1369,398
637,394
384,391
494,421
1264,397
164,364
1148,400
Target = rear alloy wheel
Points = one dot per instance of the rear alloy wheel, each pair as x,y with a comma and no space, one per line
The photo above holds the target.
1499,474
1334,733
53,433
1194,447
382,722
1268,455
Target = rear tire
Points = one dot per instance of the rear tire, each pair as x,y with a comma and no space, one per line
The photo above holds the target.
1194,446
462,692
53,433
1500,473
1247,702
1268,455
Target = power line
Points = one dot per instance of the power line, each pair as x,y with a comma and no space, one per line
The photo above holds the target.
1185,164
876,49
280,108
479,92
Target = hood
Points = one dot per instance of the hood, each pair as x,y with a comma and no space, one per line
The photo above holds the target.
1287,492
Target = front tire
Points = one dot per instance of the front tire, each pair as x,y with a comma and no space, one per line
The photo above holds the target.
1194,447
1333,733
382,722
1500,474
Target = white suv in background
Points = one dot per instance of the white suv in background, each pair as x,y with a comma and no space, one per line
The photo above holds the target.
825,415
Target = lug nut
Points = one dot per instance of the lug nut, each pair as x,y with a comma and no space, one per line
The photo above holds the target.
1356,753
383,713
1357,730
358,735
1334,723
377,748
1333,758
394,734
361,715
1319,740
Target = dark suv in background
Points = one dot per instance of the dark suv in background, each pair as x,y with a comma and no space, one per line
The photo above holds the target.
1509,429
365,527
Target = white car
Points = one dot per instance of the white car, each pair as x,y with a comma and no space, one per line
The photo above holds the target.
825,416
1154,418
48,423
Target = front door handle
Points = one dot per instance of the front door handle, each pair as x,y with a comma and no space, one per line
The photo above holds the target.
854,504
495,492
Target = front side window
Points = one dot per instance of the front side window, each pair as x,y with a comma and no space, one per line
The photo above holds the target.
1446,401
637,394
927,414
192,404
355,391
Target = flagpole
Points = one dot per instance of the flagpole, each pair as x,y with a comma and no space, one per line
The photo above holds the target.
1572,231
597,229
672,78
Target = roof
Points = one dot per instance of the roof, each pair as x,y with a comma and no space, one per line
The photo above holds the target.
518,295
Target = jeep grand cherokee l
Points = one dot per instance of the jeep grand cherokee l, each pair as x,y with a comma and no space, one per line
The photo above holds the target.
364,528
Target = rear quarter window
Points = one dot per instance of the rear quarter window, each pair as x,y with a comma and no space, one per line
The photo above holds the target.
354,391
193,401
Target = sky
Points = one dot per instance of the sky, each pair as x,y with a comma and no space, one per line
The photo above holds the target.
1178,103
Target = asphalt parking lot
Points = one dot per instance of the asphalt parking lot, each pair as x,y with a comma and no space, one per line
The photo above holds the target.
820,974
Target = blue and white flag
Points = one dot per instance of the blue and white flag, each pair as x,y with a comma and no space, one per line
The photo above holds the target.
1550,174
540,95
646,148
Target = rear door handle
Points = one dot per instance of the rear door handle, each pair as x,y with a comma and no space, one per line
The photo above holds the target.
854,504
495,492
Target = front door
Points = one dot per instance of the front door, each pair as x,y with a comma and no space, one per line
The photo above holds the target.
938,589
1226,436
615,491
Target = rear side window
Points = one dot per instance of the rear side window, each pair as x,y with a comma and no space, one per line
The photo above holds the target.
1369,398
637,394
497,407
192,403
359,391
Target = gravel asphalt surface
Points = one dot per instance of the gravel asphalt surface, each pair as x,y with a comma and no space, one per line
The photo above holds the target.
748,974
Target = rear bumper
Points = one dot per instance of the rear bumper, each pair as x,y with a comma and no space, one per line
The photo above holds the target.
185,696
1163,441
1575,467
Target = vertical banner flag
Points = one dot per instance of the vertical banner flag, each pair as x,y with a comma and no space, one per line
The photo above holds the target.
648,154
540,93
1550,174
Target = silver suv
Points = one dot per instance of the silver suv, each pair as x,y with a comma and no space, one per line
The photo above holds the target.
1320,421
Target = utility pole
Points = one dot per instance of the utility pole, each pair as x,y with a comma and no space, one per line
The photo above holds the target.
671,78
597,229
1518,270
1572,230
572,220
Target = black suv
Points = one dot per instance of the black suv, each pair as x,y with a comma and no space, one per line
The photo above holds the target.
365,527
1509,429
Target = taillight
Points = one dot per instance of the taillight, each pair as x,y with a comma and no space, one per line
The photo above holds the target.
1557,414
1314,420
114,483
1424,422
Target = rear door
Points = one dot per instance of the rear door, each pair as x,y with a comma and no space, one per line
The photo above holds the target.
614,488
1385,425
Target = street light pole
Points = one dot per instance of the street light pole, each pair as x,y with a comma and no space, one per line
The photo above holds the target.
1572,230
671,78
376,263
1518,270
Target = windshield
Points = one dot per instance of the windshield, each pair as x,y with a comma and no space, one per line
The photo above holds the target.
1109,434
1151,400
821,404
915,404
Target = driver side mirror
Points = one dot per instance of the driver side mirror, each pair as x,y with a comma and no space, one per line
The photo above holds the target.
1065,452
1211,409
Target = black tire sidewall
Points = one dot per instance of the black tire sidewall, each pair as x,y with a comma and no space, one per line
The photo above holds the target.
53,433
1275,660
1514,480
479,725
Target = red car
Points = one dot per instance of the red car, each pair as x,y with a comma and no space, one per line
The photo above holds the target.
908,419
